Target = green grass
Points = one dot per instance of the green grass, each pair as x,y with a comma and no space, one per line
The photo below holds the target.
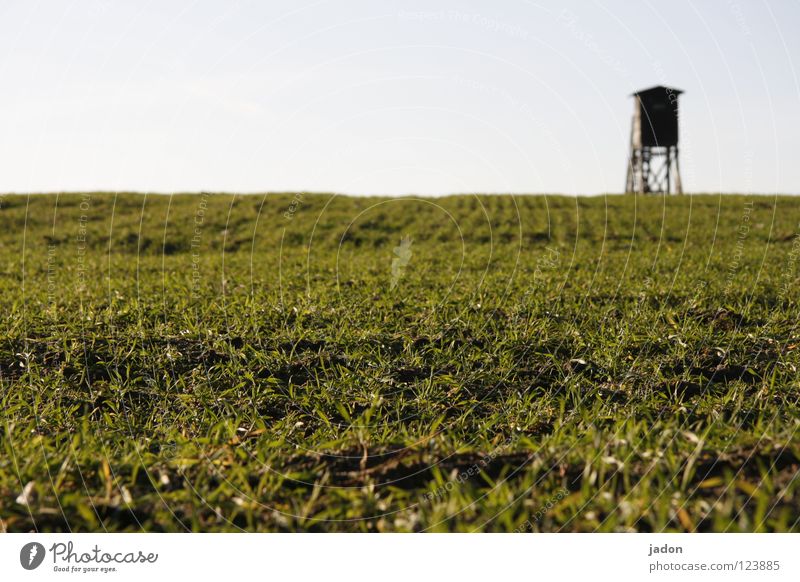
221,363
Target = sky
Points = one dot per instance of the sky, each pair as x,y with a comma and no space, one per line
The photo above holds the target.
379,97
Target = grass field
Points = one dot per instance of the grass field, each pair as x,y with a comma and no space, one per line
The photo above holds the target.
468,363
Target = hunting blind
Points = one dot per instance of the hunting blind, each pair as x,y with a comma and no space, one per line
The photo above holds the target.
653,159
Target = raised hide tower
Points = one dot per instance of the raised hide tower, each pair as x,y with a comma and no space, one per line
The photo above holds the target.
653,161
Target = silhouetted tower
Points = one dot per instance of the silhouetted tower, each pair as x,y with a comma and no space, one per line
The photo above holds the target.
653,161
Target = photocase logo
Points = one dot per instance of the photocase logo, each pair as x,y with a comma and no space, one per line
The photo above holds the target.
400,261
31,555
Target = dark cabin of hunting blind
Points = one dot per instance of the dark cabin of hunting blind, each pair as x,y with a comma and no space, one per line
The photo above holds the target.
657,114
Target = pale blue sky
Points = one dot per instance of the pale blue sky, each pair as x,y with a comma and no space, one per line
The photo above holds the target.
381,97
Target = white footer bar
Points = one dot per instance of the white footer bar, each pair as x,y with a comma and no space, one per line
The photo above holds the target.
356,557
